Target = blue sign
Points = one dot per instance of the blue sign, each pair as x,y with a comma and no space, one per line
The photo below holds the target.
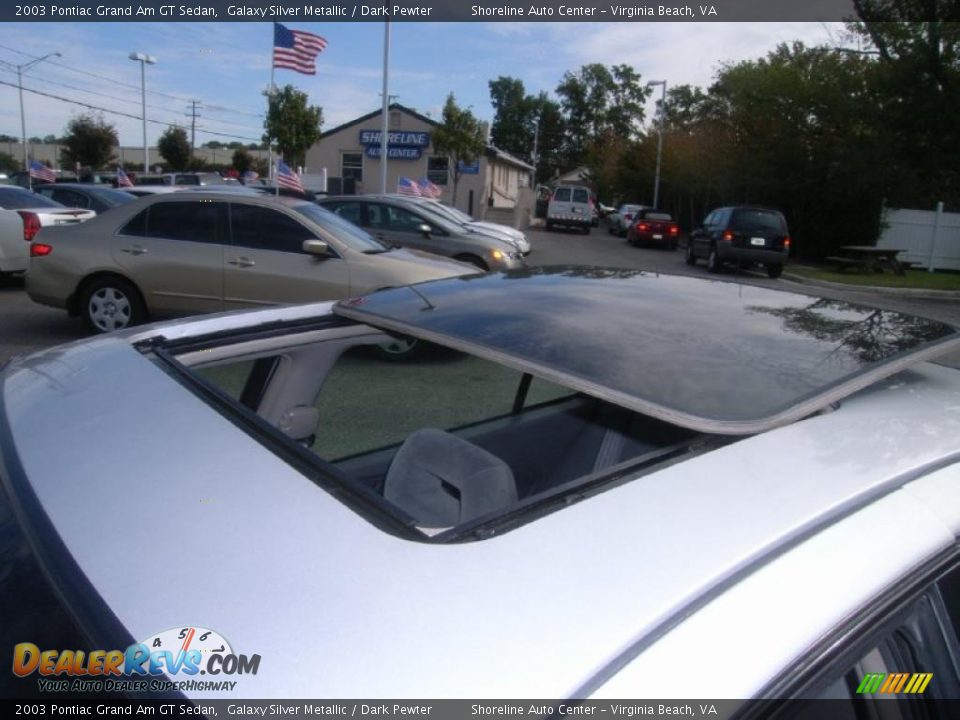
395,153
469,169
399,138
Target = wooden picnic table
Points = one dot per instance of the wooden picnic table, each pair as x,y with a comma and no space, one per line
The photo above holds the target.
870,259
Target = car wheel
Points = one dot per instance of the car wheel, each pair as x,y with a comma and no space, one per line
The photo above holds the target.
111,303
774,271
713,261
473,260
401,349
586,229
672,247
691,258
609,229
549,225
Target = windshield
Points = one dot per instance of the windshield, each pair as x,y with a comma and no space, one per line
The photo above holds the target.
346,232
17,199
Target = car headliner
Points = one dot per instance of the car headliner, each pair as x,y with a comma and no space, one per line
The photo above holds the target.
712,356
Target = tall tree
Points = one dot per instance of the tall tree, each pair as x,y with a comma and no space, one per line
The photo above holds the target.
292,124
918,78
514,117
174,145
597,100
458,137
242,160
88,140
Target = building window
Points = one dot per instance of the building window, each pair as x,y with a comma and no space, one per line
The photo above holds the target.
437,170
351,166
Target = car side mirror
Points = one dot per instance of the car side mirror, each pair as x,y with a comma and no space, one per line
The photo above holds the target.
318,248
425,230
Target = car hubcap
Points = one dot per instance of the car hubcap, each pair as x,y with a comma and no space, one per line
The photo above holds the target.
109,309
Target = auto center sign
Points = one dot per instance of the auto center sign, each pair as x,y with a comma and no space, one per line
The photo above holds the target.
401,145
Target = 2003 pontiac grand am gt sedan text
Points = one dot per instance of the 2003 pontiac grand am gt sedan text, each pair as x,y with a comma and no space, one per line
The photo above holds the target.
598,478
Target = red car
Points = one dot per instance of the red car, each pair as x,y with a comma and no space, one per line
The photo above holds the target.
653,227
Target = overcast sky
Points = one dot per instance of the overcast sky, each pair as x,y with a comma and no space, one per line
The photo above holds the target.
226,66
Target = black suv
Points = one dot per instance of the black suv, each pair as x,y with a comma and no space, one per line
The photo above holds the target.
741,236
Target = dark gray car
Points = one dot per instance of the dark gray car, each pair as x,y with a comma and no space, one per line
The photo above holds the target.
741,236
398,221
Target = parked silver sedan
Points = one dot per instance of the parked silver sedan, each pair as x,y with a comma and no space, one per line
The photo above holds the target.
408,223
762,503
194,252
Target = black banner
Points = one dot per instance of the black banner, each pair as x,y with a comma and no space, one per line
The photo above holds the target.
431,11
467,709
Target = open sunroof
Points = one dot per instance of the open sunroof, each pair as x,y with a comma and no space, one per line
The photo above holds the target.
712,356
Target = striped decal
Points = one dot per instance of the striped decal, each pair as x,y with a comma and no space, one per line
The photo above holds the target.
894,683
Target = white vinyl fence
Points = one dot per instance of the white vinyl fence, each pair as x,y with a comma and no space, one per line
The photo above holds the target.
930,238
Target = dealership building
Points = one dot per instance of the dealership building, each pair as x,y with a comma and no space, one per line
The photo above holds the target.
495,185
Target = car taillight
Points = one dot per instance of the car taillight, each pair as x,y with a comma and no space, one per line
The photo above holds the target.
727,235
674,229
643,227
39,249
31,224
786,242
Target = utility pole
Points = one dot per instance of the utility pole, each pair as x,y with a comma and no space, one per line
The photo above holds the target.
193,115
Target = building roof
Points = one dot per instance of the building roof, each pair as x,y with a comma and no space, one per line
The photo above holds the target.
491,151
494,152
377,113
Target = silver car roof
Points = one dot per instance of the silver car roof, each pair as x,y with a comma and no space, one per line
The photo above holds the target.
538,612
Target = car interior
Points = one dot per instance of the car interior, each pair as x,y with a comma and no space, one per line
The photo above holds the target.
473,441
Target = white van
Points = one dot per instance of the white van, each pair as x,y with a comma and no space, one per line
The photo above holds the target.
570,205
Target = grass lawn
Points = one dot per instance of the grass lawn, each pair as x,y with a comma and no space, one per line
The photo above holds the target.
918,279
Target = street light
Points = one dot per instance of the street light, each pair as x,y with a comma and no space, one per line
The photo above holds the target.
23,122
663,102
144,60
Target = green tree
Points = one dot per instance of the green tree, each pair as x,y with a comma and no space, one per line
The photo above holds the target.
292,124
458,137
918,81
597,100
50,139
174,145
8,163
513,120
519,118
88,140
242,160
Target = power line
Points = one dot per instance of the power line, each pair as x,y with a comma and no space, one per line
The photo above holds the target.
124,100
129,85
123,114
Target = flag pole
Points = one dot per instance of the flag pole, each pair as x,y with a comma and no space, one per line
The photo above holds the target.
386,108
270,174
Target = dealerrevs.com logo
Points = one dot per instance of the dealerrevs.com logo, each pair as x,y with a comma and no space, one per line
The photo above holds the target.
183,654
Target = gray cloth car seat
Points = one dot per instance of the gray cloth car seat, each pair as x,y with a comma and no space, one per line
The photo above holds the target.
442,480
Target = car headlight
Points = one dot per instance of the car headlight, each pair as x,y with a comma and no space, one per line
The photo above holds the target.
501,256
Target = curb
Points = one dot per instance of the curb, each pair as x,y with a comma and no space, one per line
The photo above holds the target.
916,293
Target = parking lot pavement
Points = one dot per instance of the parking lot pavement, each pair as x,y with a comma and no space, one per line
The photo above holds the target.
26,326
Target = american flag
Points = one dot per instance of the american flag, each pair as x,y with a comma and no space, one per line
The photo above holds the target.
287,178
39,171
296,49
406,186
250,176
123,180
428,189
